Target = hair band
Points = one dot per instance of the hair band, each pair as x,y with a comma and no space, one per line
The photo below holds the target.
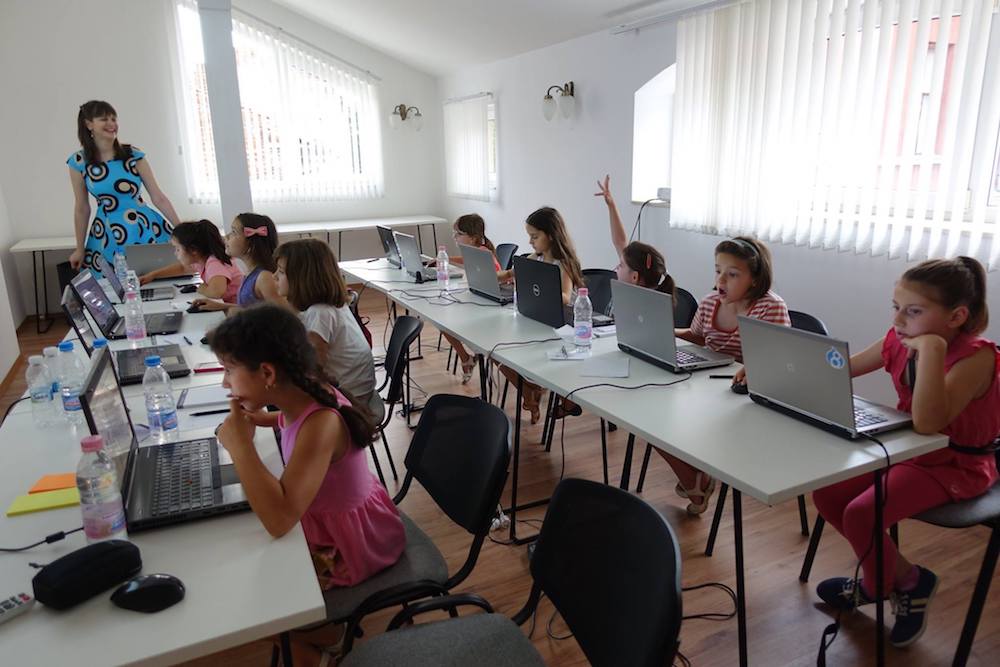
255,231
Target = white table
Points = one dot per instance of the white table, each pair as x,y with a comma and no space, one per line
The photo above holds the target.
242,585
38,247
341,226
699,420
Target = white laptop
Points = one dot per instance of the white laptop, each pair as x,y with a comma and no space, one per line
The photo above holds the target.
808,376
412,261
481,273
644,321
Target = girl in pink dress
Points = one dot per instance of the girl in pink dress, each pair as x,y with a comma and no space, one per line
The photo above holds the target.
946,376
350,523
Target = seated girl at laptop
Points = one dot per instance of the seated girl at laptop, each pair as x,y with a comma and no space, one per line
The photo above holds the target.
551,243
743,276
309,277
351,525
199,248
469,229
252,239
939,310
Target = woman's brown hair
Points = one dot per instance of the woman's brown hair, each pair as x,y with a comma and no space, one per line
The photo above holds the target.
313,274
758,259
955,282
260,249
89,111
265,333
473,225
548,221
649,263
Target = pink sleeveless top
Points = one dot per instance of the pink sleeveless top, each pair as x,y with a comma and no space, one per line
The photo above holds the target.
963,476
352,513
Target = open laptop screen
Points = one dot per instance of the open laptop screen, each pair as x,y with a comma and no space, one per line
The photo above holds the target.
74,310
388,244
106,413
96,301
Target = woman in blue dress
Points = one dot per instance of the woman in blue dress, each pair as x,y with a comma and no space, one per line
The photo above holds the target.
113,174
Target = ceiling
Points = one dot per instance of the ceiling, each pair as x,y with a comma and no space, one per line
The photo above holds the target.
441,36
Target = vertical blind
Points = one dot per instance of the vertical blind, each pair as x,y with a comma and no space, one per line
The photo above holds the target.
840,124
466,147
310,123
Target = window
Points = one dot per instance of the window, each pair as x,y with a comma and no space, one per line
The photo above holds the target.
651,128
470,147
868,127
310,124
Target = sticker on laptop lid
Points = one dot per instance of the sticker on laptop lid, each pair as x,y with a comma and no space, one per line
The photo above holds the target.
835,359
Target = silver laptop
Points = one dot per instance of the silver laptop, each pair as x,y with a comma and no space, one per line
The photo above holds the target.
146,293
644,322
808,376
388,245
145,257
412,261
481,273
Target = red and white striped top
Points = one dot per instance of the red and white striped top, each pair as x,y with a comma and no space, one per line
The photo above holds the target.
770,308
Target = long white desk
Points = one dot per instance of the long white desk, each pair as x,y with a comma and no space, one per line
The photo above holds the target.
241,584
38,247
699,420
341,226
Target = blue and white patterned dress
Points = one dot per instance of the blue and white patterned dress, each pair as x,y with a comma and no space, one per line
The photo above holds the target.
122,216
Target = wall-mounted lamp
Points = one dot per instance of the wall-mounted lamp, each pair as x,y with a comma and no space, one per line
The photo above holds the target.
567,101
409,115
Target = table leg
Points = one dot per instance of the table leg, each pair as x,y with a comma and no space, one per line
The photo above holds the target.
879,579
627,466
39,314
741,592
420,239
340,246
482,377
434,234
286,650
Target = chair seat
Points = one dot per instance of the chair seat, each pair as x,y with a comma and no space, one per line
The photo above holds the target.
421,561
484,640
982,509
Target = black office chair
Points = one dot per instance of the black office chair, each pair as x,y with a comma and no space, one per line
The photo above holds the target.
622,603
981,511
505,255
459,454
397,376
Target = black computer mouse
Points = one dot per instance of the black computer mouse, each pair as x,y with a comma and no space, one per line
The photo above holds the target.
149,593
187,289
194,309
740,388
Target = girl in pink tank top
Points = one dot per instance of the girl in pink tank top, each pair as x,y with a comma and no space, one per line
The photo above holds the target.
350,523
946,376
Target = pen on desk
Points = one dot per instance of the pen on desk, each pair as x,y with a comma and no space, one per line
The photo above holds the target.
720,377
209,412
187,340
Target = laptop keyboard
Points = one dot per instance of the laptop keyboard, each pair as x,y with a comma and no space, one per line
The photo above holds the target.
183,477
864,417
684,358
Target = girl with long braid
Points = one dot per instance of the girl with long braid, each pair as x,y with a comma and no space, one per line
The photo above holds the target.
351,525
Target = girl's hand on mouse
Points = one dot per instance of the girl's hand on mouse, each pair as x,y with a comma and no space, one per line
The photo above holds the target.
740,377
208,304
236,432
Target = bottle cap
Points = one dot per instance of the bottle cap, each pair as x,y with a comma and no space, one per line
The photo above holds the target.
92,443
152,361
583,291
441,247
35,360
50,351
66,346
99,343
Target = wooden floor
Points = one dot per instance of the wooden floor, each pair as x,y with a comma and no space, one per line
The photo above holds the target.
784,620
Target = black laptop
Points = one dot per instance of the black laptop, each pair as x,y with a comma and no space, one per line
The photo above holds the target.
131,363
539,291
146,293
164,483
111,324
389,245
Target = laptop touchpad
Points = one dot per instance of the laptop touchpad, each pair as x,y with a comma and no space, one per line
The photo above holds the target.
227,475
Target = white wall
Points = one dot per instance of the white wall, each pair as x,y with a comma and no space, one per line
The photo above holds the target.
556,163
59,53
9,350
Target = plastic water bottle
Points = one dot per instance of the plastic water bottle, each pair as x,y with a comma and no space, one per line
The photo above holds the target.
40,389
135,323
121,267
161,411
72,373
51,355
100,494
131,281
583,320
442,268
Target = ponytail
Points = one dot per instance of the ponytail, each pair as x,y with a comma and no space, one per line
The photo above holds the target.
955,282
203,237
649,263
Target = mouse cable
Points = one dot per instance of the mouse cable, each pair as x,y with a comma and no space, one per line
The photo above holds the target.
54,537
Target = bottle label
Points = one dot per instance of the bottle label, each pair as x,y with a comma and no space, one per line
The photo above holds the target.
103,520
583,333
168,420
71,401
42,394
153,417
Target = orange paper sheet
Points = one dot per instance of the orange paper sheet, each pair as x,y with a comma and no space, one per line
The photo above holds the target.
65,480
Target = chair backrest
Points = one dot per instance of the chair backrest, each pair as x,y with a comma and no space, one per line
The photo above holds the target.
807,322
598,283
505,255
685,307
404,332
610,564
459,454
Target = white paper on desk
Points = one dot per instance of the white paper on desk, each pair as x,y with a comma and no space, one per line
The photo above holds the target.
566,332
190,423
179,339
605,366
605,332
568,353
197,397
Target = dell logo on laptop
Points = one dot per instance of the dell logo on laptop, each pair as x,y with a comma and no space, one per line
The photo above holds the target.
536,290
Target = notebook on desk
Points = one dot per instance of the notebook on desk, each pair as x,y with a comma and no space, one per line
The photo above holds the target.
808,376
160,484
